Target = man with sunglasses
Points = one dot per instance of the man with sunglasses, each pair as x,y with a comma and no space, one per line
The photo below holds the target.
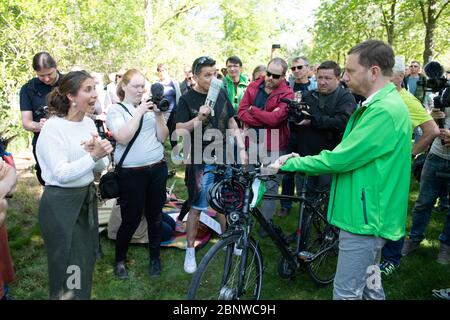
299,81
194,116
300,71
412,82
262,110
188,81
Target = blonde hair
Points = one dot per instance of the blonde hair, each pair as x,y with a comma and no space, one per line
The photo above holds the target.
126,78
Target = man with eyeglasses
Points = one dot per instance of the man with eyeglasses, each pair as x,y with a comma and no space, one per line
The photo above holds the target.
330,107
193,115
33,98
235,83
262,110
413,80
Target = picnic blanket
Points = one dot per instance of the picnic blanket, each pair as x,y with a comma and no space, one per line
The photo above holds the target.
207,226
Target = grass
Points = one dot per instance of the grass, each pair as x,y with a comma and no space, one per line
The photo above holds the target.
418,275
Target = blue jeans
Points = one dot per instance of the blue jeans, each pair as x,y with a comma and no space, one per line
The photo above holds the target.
208,179
430,185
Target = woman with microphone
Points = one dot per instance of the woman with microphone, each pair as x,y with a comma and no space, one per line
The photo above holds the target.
143,175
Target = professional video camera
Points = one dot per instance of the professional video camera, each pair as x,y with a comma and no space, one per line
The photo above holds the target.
297,108
436,82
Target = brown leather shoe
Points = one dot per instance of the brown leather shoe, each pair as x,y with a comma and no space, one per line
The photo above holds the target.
282,213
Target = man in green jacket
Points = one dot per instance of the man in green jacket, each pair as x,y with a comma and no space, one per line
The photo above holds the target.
371,172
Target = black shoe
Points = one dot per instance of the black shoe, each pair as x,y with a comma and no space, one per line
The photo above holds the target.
282,213
154,269
121,271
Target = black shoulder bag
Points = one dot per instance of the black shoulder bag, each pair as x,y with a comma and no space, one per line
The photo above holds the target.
109,182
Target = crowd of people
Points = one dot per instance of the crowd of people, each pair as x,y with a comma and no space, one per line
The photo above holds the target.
353,138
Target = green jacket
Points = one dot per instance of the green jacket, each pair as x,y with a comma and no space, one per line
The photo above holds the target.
235,97
370,167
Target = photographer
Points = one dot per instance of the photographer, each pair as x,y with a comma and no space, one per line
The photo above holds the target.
33,98
143,176
329,108
438,160
419,119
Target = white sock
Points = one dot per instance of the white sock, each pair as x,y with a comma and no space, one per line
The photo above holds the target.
190,251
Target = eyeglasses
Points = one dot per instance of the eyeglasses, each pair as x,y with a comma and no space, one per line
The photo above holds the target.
297,68
202,61
231,66
274,76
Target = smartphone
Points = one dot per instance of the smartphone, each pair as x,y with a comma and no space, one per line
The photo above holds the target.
276,46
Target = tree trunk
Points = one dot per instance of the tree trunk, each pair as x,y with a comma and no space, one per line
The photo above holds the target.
428,52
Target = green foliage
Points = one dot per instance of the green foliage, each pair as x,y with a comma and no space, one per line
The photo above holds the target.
340,24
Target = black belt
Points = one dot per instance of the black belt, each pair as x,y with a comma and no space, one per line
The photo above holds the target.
148,166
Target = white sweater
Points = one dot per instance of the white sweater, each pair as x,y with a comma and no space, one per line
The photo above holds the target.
63,161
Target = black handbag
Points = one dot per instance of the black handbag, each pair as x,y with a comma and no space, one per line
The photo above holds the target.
109,182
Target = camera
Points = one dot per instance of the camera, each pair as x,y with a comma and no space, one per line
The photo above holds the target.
41,112
297,108
157,90
436,82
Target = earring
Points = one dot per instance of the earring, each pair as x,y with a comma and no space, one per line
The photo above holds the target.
74,104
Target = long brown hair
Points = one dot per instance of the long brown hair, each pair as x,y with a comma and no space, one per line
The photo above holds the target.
58,102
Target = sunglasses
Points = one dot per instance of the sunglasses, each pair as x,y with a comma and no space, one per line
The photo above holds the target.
203,60
297,68
274,76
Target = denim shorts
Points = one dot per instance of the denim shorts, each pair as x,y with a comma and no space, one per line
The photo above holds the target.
208,179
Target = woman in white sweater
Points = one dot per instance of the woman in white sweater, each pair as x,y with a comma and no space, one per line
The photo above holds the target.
69,150
143,176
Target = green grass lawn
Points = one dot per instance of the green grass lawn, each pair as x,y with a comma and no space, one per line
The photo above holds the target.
418,275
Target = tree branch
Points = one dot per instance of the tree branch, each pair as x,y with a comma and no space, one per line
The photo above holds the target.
442,9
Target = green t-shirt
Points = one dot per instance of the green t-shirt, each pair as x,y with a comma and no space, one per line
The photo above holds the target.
417,112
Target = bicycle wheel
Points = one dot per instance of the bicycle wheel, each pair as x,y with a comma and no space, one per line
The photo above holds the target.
217,276
321,243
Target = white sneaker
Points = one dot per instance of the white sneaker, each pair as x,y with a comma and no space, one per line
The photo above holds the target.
190,265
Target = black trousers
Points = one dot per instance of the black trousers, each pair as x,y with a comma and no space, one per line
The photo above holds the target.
171,126
37,167
142,190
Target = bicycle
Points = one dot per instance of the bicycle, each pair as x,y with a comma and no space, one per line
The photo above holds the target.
232,269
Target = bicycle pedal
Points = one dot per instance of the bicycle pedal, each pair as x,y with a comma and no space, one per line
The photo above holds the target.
305,255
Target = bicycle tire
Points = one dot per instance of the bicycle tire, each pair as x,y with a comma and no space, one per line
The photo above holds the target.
319,235
217,274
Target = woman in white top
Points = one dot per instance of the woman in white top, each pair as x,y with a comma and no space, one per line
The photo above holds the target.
69,150
143,176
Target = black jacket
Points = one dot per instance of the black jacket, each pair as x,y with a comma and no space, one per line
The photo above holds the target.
330,115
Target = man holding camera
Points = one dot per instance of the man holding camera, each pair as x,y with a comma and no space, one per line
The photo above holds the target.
437,161
419,118
329,108
263,110
33,98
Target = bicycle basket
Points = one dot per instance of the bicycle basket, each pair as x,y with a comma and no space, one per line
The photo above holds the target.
226,195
